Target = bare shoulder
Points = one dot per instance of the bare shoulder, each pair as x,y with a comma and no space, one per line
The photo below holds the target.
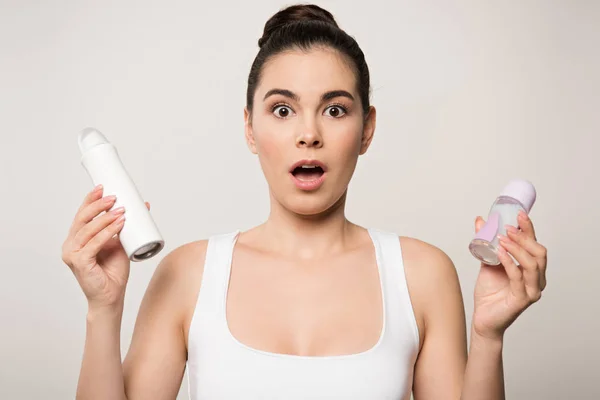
180,266
431,278
184,255
426,260
182,269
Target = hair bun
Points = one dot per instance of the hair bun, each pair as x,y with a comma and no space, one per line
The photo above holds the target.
294,14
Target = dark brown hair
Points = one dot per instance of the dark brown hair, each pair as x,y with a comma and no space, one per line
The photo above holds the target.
302,27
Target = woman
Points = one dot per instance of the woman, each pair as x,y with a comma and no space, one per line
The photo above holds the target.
306,305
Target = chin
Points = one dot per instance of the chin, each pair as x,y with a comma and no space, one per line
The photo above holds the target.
308,210
313,203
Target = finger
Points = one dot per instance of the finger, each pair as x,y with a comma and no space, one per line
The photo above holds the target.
543,280
531,272
148,205
89,212
93,247
526,225
527,242
479,222
89,198
91,229
530,243
514,273
93,195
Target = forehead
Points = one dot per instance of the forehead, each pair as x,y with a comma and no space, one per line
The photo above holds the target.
307,73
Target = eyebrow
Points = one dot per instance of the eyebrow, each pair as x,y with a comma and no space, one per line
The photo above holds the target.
326,96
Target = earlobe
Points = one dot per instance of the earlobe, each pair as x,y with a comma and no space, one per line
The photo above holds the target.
248,131
368,130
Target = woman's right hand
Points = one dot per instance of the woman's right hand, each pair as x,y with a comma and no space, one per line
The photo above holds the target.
94,253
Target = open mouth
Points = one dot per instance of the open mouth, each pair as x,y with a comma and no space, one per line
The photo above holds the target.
307,173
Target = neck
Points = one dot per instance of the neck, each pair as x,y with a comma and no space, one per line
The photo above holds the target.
308,237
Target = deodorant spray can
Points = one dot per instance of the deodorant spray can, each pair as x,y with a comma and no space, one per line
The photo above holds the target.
139,236
517,195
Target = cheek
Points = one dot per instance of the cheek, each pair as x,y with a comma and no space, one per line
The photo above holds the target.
270,145
266,145
347,141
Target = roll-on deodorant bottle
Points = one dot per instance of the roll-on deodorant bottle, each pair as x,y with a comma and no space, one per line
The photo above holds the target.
517,195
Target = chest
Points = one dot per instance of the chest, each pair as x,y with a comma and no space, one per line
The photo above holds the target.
333,307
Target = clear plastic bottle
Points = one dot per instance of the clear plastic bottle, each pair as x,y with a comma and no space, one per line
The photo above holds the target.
517,195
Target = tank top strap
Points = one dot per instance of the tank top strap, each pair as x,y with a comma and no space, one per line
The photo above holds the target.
397,297
215,276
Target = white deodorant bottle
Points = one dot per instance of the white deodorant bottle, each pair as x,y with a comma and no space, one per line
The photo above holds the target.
517,195
139,236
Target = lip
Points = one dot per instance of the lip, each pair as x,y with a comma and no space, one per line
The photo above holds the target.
308,185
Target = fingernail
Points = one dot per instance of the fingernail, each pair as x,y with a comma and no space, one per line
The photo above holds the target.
118,210
97,188
120,219
502,238
523,215
110,198
511,229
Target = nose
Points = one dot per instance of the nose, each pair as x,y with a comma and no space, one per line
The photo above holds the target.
309,137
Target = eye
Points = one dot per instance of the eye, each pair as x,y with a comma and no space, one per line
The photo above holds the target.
282,111
335,111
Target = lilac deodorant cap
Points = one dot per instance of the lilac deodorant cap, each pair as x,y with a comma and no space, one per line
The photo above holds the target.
521,190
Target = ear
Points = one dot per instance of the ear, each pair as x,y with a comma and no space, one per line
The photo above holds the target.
248,131
368,130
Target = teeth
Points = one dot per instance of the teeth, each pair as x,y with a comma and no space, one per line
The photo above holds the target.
309,166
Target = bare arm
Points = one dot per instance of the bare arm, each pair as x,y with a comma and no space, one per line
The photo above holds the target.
101,375
484,376
155,362
435,290
443,370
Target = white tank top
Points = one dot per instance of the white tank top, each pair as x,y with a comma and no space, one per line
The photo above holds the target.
220,367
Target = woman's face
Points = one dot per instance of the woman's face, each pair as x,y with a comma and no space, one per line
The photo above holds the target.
307,107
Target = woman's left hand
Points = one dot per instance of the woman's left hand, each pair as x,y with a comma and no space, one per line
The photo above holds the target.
504,291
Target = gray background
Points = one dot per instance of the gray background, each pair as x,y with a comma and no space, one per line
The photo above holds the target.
470,94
